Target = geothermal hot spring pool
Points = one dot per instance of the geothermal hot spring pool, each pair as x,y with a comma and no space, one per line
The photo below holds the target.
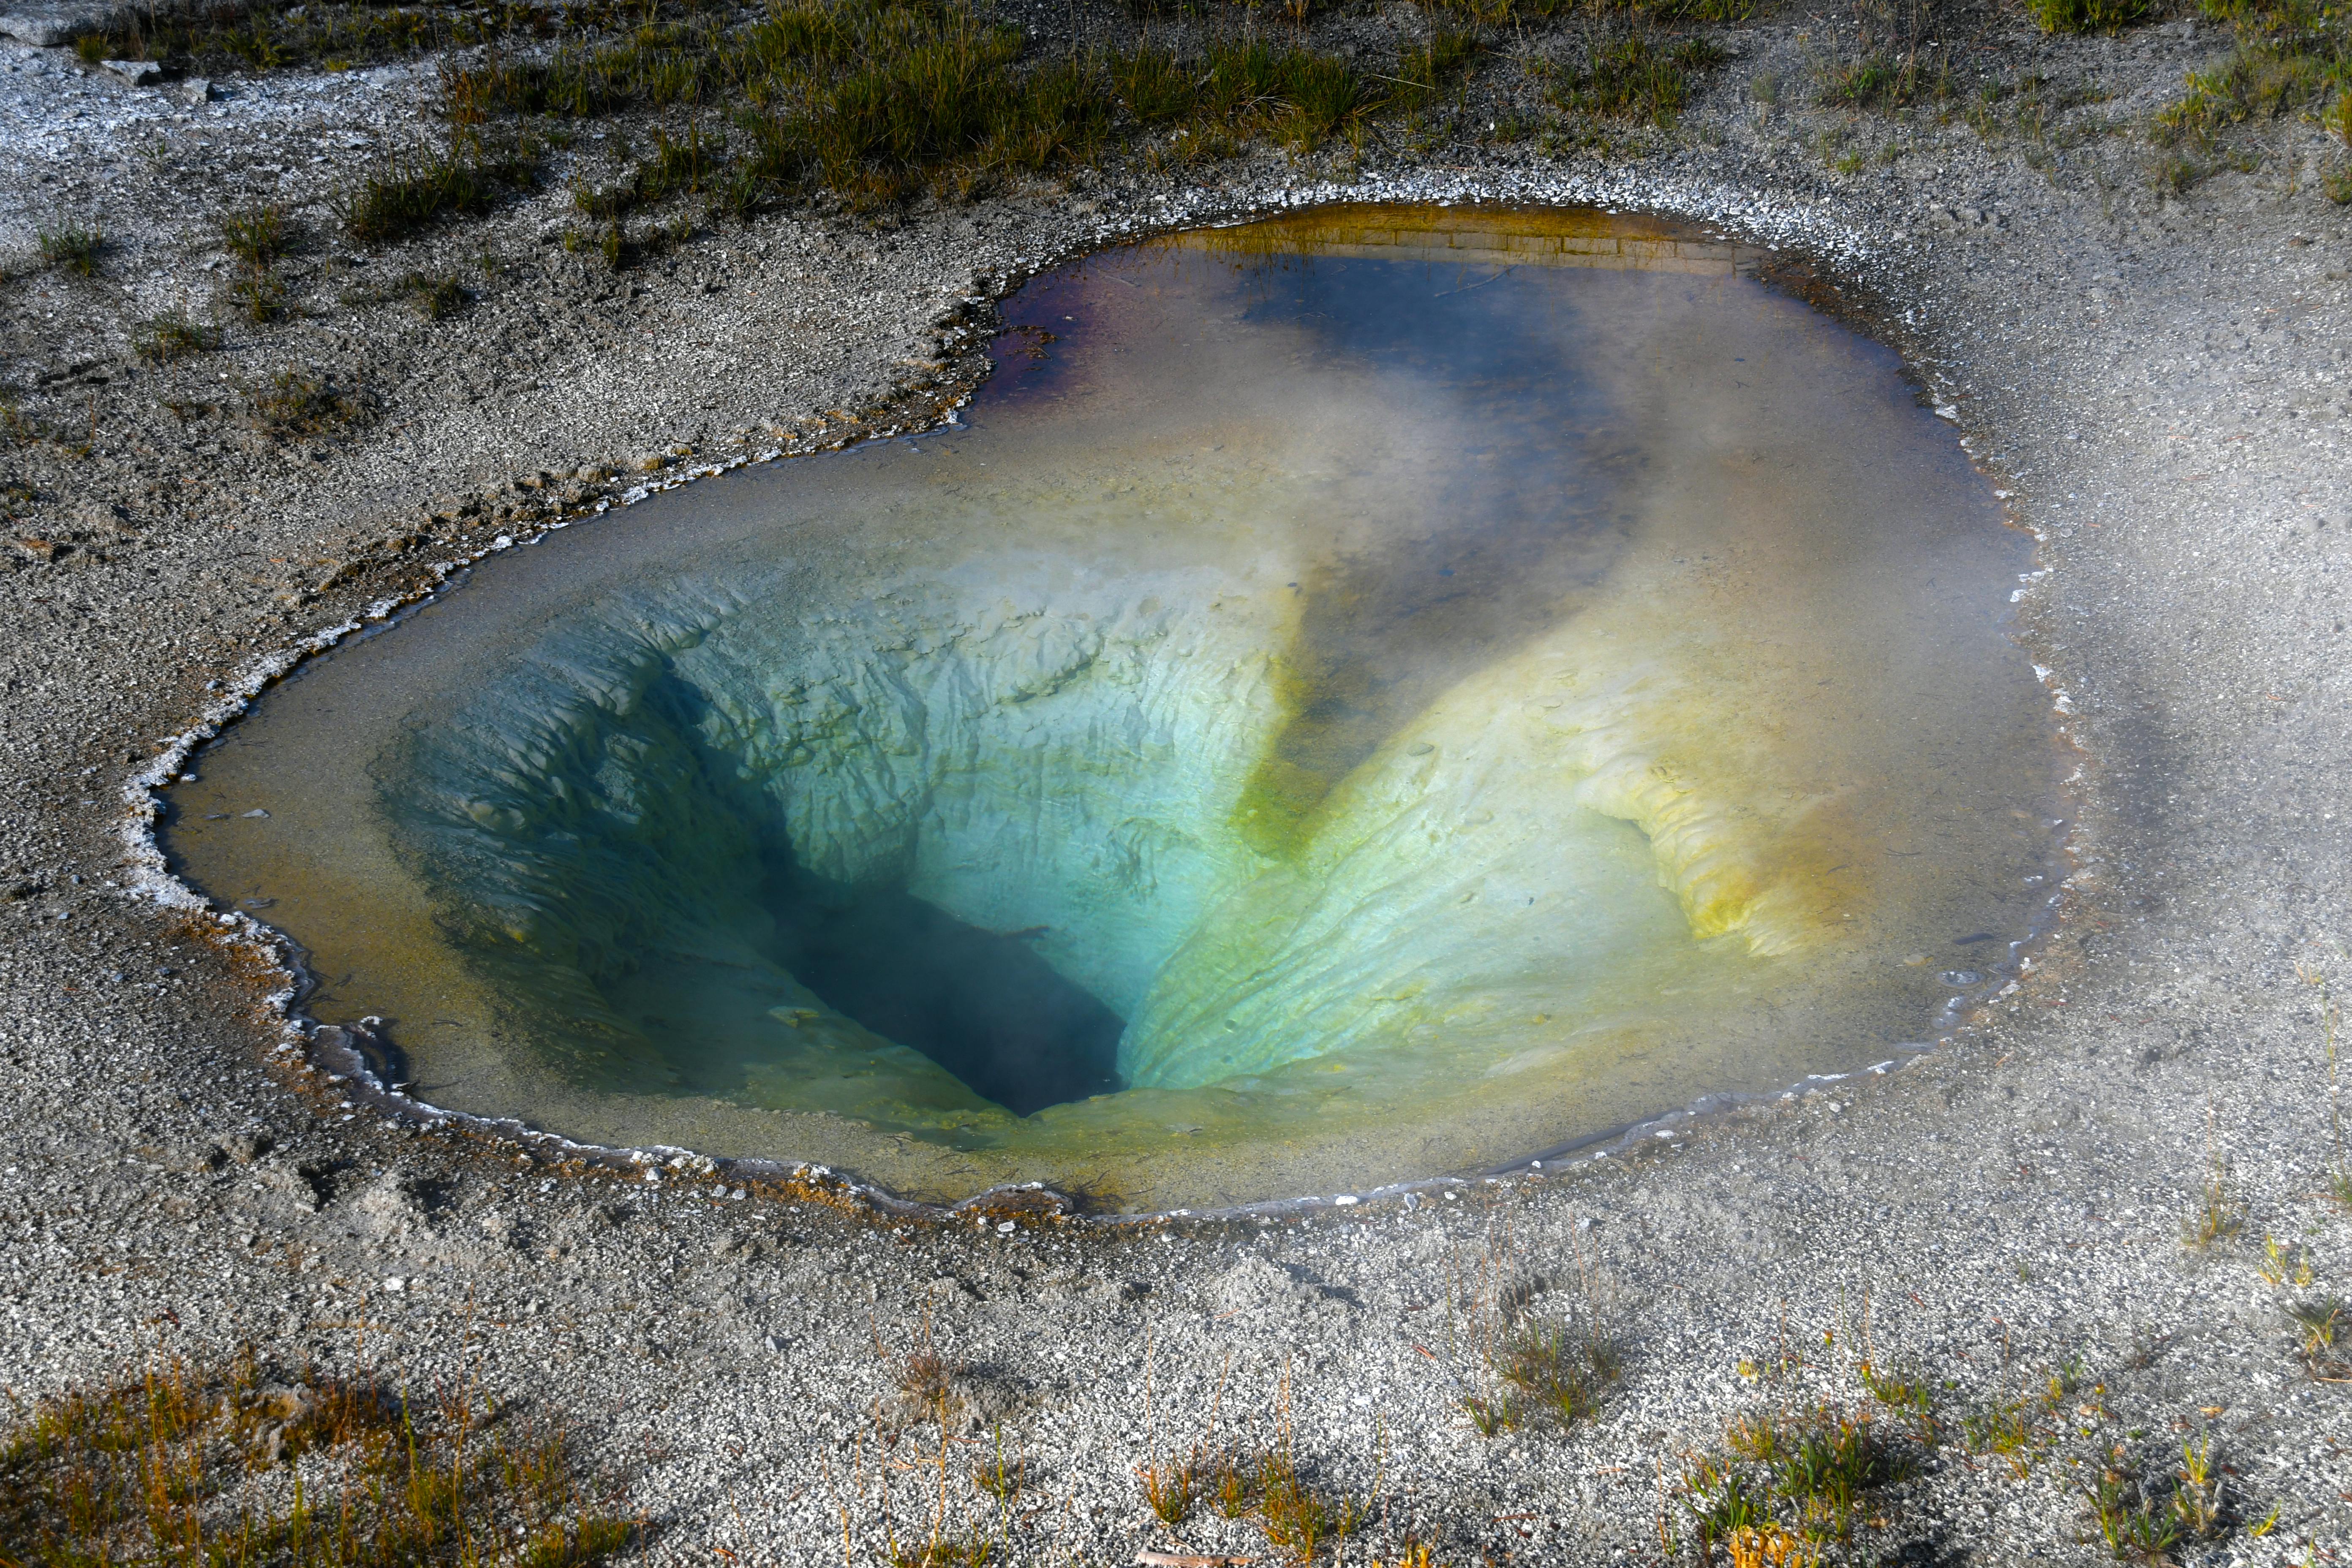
1368,695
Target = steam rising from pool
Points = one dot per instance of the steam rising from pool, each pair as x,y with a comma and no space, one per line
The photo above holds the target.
1370,695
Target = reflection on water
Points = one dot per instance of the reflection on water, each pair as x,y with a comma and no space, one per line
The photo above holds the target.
1383,690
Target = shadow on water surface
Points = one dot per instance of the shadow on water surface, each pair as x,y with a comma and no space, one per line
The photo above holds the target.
980,1004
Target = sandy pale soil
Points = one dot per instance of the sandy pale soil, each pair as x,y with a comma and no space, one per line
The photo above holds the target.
2159,382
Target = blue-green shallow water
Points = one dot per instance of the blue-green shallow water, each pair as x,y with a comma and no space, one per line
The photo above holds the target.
1362,697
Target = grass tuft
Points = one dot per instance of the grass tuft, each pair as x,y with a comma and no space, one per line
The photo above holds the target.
2086,15
1426,70
2217,1216
1628,75
173,335
1491,1414
235,1467
257,234
1512,13
1883,81
1296,1518
926,1380
2318,1322
2175,175
1910,1398
436,298
426,188
999,1478
1234,1489
71,246
260,295
298,403
2135,1528
1787,1484
946,1552
2338,119
1154,85
1559,1372
225,37
2286,56
867,103
1168,1489
1725,1503
2196,1499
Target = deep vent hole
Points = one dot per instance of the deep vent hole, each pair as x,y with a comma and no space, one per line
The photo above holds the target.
981,1004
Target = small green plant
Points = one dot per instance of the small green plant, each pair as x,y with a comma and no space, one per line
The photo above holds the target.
1723,1505
871,103
1910,1398
259,296
688,164
946,1552
2283,1265
2086,15
2197,1500
2135,1527
334,35
1000,1480
2286,56
1491,1415
2317,1322
1168,1489
1556,1372
1785,1484
1155,85
165,1467
298,403
426,188
1296,1518
2336,119
1882,81
1427,69
1510,12
1326,97
1828,1465
173,335
2004,1427
1234,1490
607,205
2176,175
2218,1215
257,234
71,245
1627,76
436,298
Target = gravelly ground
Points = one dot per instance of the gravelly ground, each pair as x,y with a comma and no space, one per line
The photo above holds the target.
2161,384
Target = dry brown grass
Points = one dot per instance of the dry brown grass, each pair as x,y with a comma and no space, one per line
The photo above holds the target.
232,1468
